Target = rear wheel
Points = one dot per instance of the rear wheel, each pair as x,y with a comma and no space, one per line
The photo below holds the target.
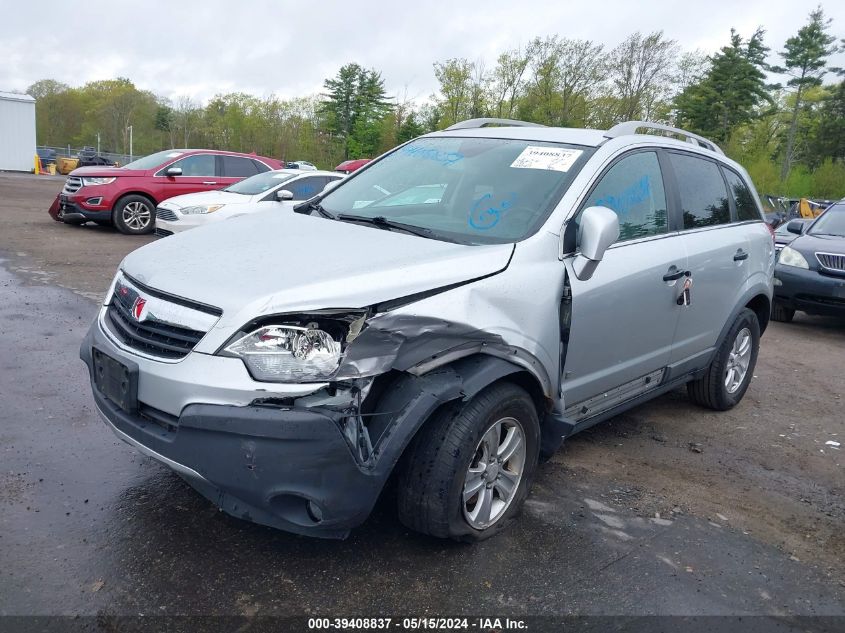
469,470
729,374
134,215
781,313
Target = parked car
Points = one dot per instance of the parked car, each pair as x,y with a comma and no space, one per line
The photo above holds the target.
287,364
810,273
783,236
348,166
282,188
300,164
127,196
46,155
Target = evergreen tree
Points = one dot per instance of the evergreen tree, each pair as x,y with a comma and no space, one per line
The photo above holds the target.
730,92
805,57
354,104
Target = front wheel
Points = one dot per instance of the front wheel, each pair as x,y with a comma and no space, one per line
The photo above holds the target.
727,378
470,468
134,215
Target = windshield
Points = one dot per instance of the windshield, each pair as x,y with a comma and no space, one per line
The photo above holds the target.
470,190
260,183
153,160
831,222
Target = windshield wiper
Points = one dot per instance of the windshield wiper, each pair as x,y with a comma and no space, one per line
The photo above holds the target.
315,205
384,223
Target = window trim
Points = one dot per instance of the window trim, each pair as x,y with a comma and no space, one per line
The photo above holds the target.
679,214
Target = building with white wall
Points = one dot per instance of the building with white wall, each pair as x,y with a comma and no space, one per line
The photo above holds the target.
17,132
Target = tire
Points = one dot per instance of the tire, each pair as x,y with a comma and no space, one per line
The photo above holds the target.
781,313
134,215
438,464
713,389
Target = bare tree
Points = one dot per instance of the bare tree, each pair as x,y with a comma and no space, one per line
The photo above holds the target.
639,73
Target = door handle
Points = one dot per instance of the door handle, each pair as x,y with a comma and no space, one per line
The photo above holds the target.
740,255
672,276
209,182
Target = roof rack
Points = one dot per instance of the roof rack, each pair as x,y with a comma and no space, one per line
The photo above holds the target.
486,121
631,127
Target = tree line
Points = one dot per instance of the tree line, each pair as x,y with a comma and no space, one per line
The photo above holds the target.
790,135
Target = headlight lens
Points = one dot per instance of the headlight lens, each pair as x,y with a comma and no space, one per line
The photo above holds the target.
791,257
87,182
288,353
201,208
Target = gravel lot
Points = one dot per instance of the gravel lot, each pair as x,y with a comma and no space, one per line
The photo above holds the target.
668,509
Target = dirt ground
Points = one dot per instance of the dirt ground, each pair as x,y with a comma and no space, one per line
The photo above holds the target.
762,469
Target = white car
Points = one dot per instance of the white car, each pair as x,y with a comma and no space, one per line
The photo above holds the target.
282,188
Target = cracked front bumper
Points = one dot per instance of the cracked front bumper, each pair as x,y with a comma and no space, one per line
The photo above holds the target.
284,466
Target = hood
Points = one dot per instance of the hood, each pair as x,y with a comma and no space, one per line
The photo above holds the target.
272,262
106,172
808,244
206,197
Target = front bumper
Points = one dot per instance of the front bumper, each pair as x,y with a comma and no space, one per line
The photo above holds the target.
75,209
810,291
287,467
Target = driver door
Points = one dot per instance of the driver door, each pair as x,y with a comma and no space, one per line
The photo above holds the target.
623,318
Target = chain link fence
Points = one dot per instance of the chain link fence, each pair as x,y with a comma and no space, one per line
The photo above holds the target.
74,152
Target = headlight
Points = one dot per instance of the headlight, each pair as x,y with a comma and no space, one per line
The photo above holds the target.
791,257
201,208
87,182
288,353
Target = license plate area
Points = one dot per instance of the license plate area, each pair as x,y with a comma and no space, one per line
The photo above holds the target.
116,381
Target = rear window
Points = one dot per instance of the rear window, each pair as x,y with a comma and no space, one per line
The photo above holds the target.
746,207
236,167
704,199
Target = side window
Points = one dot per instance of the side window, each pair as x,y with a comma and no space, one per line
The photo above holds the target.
198,165
633,188
235,167
304,188
746,207
259,166
704,199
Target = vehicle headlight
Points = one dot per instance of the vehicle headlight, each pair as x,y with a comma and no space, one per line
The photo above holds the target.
88,182
201,208
790,257
288,353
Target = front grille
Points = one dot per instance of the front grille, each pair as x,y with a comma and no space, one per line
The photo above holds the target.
72,185
166,214
832,261
163,232
155,338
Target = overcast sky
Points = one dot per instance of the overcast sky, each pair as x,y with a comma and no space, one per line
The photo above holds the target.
288,48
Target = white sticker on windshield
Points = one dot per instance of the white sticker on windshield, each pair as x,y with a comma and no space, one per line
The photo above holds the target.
550,158
174,154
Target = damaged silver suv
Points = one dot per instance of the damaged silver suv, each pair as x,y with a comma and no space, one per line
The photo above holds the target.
444,317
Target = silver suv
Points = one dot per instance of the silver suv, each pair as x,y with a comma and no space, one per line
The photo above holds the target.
445,316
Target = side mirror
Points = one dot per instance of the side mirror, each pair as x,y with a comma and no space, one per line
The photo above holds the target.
597,230
173,171
331,185
284,194
795,226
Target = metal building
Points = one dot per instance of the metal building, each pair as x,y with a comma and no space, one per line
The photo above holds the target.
17,132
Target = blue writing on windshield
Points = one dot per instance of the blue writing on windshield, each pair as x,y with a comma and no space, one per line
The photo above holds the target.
487,211
432,153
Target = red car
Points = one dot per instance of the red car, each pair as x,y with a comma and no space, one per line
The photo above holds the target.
348,166
127,196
